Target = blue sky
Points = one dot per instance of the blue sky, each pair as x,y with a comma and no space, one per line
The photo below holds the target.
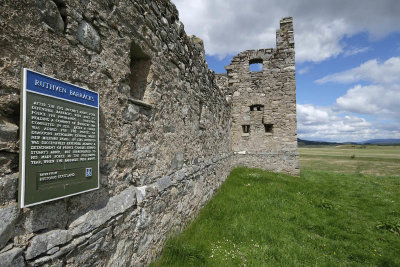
347,57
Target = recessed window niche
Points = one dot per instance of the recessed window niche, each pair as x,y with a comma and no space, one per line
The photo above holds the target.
140,68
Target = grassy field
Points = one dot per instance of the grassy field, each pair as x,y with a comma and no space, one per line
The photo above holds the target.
357,159
335,215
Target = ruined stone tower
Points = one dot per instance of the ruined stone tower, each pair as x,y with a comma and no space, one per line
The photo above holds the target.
264,130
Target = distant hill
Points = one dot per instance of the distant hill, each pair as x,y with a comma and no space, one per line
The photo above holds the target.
382,141
302,143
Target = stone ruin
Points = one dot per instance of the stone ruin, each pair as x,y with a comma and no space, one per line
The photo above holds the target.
263,105
170,129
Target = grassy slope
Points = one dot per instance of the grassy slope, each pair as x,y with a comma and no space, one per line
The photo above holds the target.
323,218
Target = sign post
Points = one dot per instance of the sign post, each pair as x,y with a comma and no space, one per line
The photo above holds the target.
59,147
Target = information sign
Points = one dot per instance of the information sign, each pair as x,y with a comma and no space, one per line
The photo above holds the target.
59,147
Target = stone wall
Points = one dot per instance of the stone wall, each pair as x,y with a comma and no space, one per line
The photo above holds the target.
264,126
165,126
164,137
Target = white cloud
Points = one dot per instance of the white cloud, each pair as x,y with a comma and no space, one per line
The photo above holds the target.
322,123
319,42
355,51
372,71
311,115
381,97
230,26
372,99
380,102
304,70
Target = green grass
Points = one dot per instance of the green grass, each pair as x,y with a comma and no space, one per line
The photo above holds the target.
323,218
357,159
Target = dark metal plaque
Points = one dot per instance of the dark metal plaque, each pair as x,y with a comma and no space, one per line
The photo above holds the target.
59,148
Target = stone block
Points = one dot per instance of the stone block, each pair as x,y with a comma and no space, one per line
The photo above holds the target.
131,113
177,161
8,218
141,194
95,218
99,234
180,175
50,14
8,162
143,221
8,188
8,132
145,244
9,104
47,241
88,36
163,183
124,250
124,89
46,216
12,258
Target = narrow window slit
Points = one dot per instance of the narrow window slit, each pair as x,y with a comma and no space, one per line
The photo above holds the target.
256,107
246,128
268,128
